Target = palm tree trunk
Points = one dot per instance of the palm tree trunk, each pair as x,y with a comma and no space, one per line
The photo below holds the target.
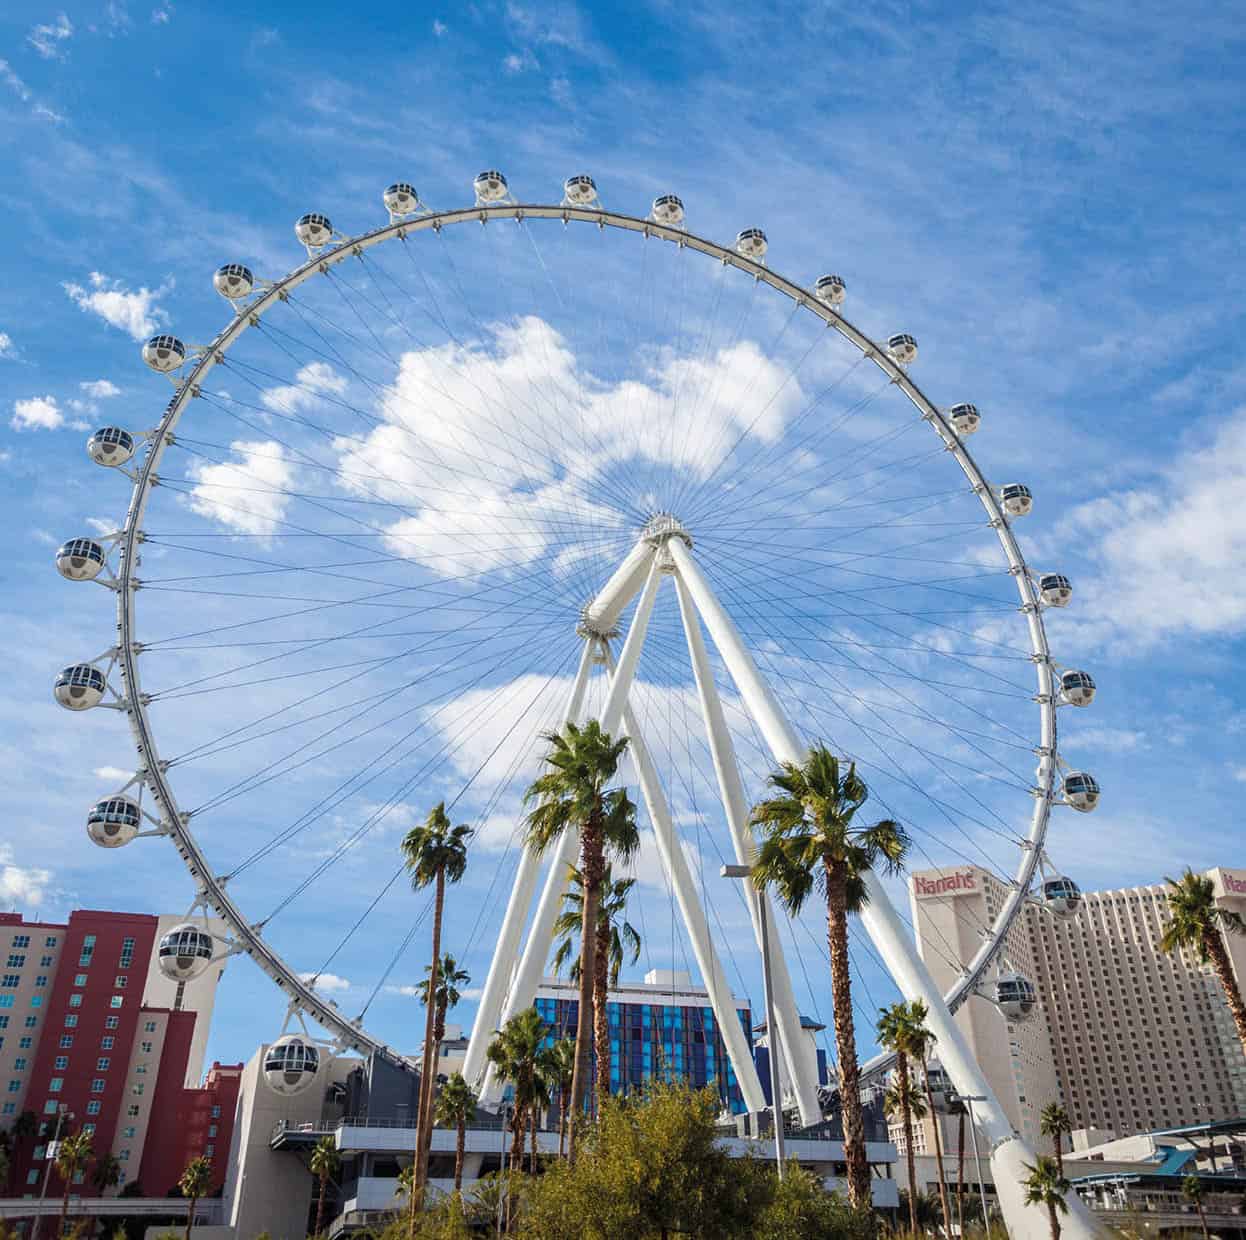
1213,944
960,1170
460,1145
69,1175
424,1121
1057,1141
592,868
1202,1220
324,1179
1054,1219
845,1037
601,1015
938,1140
562,1121
906,1117
190,1215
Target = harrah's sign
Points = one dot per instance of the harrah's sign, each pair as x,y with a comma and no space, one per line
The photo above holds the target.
949,884
1235,885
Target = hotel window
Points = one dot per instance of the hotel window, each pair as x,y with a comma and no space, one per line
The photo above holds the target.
30,1022
124,1156
71,1021
21,940
50,941
146,1047
132,1110
36,1000
15,961
102,1064
97,1085
45,962
129,1132
111,1022
75,1001
106,1042
41,980
116,1001
120,981
127,953
10,981
6,1001
80,979
60,1063
93,1108
150,1027
56,1084
88,950
137,1090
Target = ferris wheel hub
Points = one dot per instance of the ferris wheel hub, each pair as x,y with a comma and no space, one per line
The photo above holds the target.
663,526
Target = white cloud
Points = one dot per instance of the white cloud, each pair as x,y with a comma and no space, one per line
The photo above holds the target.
21,884
100,389
329,983
1238,773
412,992
1105,740
248,495
47,38
1170,553
113,774
7,347
439,28
162,15
134,311
101,525
36,413
13,82
517,62
312,381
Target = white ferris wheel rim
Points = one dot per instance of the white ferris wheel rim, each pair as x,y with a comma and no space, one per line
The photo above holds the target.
349,1034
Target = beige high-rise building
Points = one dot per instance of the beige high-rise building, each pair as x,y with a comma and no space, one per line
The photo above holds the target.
1127,1038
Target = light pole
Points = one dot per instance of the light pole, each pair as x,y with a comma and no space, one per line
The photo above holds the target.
503,1178
62,1114
772,1033
969,1100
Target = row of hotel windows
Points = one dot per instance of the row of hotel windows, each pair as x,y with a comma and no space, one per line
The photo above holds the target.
23,940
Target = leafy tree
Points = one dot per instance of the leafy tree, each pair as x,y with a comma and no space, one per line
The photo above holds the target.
616,936
1046,1186
324,1164
73,1153
1192,1191
456,1104
572,795
812,839
560,1069
801,1209
433,853
1053,1122
1200,924
196,1182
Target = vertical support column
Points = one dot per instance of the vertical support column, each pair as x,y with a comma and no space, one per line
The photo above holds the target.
1008,1152
739,1049
517,907
541,935
799,1055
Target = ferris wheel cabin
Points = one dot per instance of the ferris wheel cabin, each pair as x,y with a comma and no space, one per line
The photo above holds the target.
291,1065
233,281
114,821
1062,896
80,559
1015,996
79,687
184,952
1077,688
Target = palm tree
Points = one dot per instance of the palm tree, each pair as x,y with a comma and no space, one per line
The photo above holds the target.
894,1034
811,837
920,1040
324,1164
24,1127
1200,924
1192,1191
449,978
1053,1122
456,1104
560,1071
1045,1186
106,1174
196,1182
615,937
516,1053
960,1110
434,853
572,795
73,1153
903,1103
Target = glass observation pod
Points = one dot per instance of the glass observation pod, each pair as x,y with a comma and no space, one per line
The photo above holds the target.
490,186
1081,791
580,191
831,290
941,1088
1077,688
164,353
1055,589
902,349
751,243
110,445
79,687
233,281
400,198
290,1065
313,230
965,419
1016,499
1015,995
1062,895
667,209
80,559
184,952
114,821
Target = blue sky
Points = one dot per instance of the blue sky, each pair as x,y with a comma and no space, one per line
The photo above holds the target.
1048,199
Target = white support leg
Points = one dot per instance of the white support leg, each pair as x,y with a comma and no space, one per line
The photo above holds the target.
541,934
517,908
708,964
1008,1151
799,1057
603,612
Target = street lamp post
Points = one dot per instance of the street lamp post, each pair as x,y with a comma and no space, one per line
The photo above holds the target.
62,1114
969,1100
503,1193
776,1105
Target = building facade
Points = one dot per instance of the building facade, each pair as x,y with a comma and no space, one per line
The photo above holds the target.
1127,1038
92,1031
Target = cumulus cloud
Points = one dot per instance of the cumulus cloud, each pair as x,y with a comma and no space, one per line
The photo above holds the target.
311,382
21,885
36,413
100,389
328,983
7,347
113,774
134,311
249,494
162,15
48,37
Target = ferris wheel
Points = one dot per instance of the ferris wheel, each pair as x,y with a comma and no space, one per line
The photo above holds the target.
416,504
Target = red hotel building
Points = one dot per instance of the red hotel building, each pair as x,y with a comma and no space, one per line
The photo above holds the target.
89,1023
